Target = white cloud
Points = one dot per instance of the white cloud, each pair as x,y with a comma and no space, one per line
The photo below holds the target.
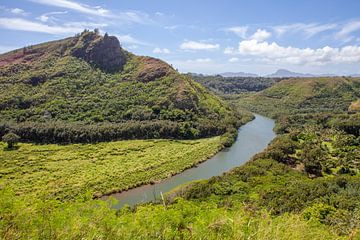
193,45
272,52
309,30
43,18
261,35
133,47
122,17
128,39
234,59
230,51
347,29
30,26
98,11
18,11
15,11
47,16
161,51
171,28
160,14
133,17
238,30
85,25
201,60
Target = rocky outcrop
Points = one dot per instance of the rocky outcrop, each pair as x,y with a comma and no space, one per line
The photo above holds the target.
102,52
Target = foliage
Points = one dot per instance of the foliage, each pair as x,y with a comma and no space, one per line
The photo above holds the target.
305,95
305,185
235,85
93,219
57,95
11,139
65,171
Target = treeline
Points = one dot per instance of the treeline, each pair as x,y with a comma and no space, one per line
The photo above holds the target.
349,123
77,132
235,85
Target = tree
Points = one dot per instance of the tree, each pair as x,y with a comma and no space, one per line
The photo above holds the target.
313,157
11,139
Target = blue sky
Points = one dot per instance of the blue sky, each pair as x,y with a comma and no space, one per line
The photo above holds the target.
203,36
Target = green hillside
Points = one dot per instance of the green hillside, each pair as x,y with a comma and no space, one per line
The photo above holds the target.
305,185
87,88
226,86
305,95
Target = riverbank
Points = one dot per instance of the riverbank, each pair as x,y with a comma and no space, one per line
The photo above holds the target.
221,208
66,172
252,138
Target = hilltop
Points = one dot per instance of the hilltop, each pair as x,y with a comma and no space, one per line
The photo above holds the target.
88,88
284,73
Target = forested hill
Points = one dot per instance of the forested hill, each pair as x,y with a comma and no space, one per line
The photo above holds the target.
87,88
306,95
234,85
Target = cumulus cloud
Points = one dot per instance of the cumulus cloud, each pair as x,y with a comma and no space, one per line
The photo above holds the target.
261,35
292,55
238,30
234,59
193,45
161,51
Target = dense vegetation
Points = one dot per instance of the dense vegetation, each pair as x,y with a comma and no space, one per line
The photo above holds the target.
235,85
66,171
305,95
305,185
88,89
90,219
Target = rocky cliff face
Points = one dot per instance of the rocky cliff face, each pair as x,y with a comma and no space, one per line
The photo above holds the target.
102,52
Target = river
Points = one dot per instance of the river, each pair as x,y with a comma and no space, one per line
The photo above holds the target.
253,137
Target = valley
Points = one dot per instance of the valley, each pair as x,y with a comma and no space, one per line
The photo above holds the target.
99,143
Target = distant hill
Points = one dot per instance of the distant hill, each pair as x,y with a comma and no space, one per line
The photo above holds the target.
238,74
306,95
283,73
88,88
234,85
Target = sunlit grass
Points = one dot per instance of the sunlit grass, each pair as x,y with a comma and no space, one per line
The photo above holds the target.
65,171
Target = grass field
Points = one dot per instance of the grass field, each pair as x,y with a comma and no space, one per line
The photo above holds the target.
67,171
